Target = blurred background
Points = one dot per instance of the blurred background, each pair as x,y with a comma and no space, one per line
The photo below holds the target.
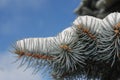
30,18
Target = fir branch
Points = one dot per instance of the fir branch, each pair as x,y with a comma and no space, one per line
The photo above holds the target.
109,39
33,55
89,48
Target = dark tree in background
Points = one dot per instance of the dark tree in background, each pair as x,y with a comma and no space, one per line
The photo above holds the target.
88,50
98,8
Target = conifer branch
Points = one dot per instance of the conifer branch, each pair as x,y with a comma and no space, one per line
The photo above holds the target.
34,55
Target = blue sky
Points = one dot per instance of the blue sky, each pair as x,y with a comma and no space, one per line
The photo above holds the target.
33,18
30,18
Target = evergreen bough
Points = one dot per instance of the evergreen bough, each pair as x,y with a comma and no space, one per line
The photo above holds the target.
89,49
